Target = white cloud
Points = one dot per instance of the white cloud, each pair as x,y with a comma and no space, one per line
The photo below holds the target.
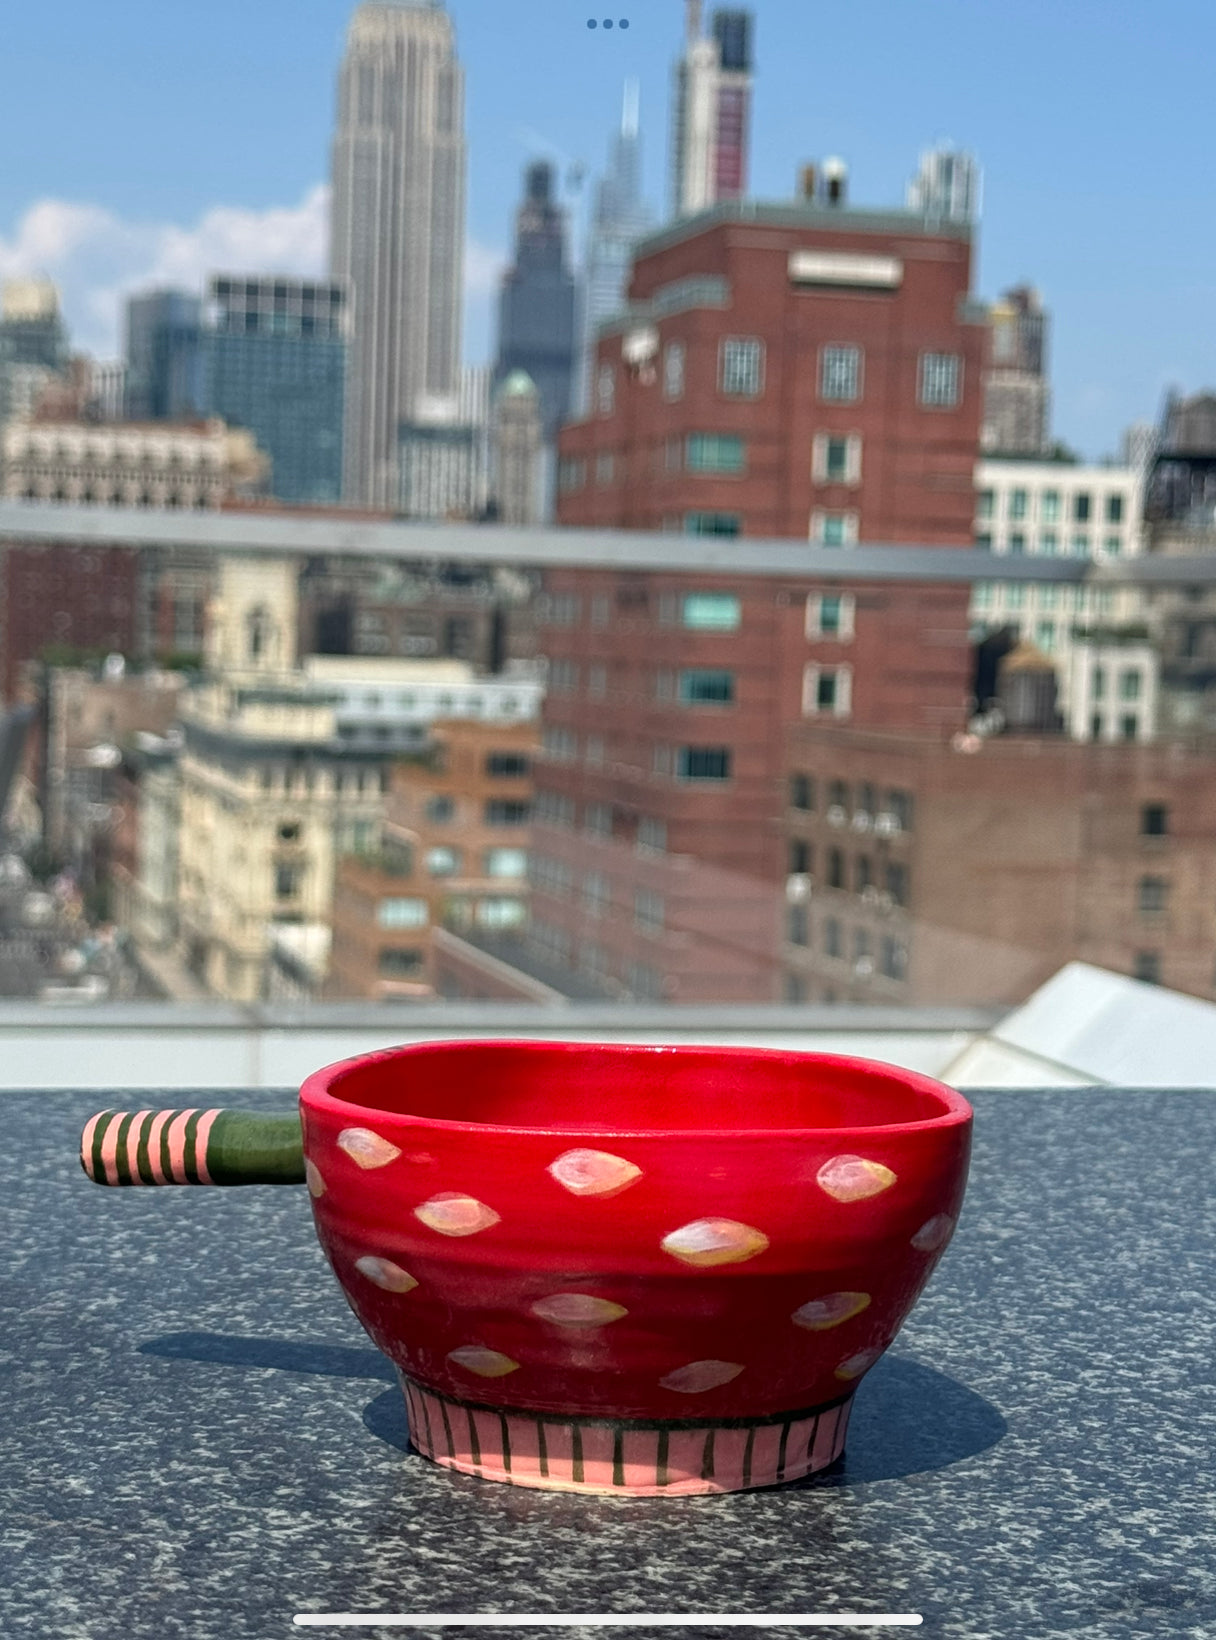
98,259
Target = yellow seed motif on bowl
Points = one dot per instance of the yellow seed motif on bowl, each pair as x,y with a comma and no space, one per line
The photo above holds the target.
455,1214
485,1363
822,1314
386,1274
593,1172
714,1241
316,1184
936,1233
366,1148
699,1376
856,1365
578,1310
853,1178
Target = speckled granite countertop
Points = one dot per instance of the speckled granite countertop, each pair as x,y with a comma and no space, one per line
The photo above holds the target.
199,1440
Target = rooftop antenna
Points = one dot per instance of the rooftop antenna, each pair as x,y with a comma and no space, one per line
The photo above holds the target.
629,109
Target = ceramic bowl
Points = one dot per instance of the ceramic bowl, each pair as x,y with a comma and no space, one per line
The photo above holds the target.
632,1269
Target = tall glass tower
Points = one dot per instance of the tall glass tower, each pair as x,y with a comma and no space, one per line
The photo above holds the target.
398,229
619,218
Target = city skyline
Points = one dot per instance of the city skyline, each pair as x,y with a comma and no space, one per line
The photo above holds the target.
119,213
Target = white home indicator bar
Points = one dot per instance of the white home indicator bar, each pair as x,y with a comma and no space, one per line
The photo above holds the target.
607,1620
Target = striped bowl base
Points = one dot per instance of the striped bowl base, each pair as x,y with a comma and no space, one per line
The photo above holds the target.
637,1457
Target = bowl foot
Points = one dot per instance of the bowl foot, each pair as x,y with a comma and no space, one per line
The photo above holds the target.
636,1457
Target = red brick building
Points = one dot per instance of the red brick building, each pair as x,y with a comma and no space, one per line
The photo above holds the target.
68,599
793,371
922,873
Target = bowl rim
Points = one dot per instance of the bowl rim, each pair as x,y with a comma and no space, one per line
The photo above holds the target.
316,1093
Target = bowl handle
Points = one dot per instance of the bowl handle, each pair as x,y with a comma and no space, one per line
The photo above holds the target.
193,1147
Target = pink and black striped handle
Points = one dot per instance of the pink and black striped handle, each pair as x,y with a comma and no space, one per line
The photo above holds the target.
193,1147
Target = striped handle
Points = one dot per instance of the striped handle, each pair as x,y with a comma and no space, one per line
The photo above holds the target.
192,1147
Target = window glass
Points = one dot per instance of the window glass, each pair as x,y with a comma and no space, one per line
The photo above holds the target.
505,862
714,453
1017,503
707,687
703,763
499,913
840,374
442,862
1081,503
402,913
673,370
1114,509
940,375
705,523
985,503
710,611
1049,507
741,366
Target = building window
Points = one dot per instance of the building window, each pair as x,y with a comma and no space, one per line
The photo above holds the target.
802,792
836,872
1049,543
555,809
497,912
673,453
506,765
1146,967
597,894
601,609
505,862
645,982
594,750
863,874
605,468
442,862
893,960
840,374
982,596
1112,546
899,808
897,882
1152,895
1018,503
712,523
1129,727
559,742
673,370
797,925
1081,507
741,367
1154,820
1096,726
827,689
571,474
597,681
563,676
836,458
833,937
714,453
1114,509
503,812
402,913
550,876
835,529
940,379
648,911
1017,543
562,609
1080,546
652,835
287,881
985,504
703,763
597,820
1045,636
605,390
710,611
553,944
830,615
1129,685
1049,507
397,962
798,857
707,688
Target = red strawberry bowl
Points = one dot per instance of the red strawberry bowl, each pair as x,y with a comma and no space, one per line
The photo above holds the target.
608,1268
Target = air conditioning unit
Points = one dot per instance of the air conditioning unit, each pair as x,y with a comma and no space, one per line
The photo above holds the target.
886,902
862,821
886,825
798,888
863,967
836,816
869,894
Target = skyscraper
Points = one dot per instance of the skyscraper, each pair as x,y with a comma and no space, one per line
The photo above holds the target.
619,218
164,380
1016,393
33,343
536,307
274,361
946,188
398,228
712,111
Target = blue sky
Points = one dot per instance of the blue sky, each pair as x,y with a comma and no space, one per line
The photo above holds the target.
149,141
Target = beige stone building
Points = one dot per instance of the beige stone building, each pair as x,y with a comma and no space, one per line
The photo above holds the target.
127,464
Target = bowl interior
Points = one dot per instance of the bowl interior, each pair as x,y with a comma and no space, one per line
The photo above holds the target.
578,1087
